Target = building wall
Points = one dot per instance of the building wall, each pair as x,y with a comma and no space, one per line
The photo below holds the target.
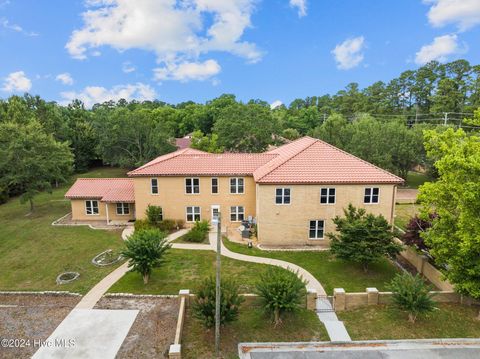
289,224
173,199
79,213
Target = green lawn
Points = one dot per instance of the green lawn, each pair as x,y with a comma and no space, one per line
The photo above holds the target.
403,213
330,272
33,252
387,322
185,269
415,179
253,325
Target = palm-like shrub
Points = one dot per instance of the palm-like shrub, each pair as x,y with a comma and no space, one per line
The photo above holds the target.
281,291
411,295
145,250
204,304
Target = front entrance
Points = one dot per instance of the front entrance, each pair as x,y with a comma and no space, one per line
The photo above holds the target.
214,216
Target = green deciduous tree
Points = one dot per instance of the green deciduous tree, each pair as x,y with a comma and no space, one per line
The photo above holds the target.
410,293
455,199
362,238
145,250
204,304
31,160
281,291
207,143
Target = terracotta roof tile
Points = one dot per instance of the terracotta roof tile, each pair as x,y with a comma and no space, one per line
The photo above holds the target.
104,189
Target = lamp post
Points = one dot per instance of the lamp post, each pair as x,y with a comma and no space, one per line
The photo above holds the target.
217,287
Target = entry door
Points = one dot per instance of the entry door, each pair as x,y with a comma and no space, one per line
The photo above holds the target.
215,213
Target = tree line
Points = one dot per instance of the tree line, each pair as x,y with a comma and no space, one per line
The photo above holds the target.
41,142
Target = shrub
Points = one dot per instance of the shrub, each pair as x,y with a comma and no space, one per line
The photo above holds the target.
145,250
195,236
204,304
281,291
412,295
154,214
180,223
166,225
203,226
142,224
362,238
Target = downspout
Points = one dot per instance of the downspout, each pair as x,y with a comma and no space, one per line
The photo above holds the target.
393,206
106,208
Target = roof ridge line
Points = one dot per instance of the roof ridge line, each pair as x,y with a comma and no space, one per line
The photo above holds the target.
174,154
288,158
358,158
103,178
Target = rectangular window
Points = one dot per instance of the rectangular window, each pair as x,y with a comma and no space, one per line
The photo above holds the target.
91,207
327,195
316,229
214,185
371,195
192,185
282,195
193,214
237,214
236,185
123,208
154,185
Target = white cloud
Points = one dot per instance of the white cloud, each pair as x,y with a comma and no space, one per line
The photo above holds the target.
5,23
301,5
440,49
349,53
127,67
96,94
275,104
65,78
17,82
464,13
176,31
187,71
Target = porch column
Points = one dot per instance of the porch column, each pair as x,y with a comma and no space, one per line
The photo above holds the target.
106,211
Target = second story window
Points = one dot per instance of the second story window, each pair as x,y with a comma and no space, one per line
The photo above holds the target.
154,185
372,195
327,195
192,185
236,185
214,185
282,196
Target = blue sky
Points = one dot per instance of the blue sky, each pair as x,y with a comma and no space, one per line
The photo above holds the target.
276,50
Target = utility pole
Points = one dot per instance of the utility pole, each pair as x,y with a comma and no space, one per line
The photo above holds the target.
217,289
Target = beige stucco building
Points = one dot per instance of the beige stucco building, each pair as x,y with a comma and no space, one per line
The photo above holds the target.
291,193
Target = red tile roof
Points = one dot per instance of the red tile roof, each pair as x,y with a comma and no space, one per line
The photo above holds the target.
309,160
104,189
183,142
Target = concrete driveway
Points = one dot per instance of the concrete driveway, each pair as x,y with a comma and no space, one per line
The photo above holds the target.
88,333
395,349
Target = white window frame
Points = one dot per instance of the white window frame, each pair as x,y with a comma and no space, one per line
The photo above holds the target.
192,185
237,185
328,195
371,195
235,211
283,196
156,186
122,207
193,213
91,201
217,185
316,229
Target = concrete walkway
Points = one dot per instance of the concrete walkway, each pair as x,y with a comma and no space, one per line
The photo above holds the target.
336,329
93,296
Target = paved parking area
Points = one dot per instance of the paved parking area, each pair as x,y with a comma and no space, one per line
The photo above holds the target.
395,349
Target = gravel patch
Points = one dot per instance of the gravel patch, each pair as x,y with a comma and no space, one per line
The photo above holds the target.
154,329
30,319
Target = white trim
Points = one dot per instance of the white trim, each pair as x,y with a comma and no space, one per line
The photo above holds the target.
328,196
236,185
123,209
193,186
211,186
237,214
283,196
158,189
193,214
212,207
371,196
106,211
98,207
316,229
